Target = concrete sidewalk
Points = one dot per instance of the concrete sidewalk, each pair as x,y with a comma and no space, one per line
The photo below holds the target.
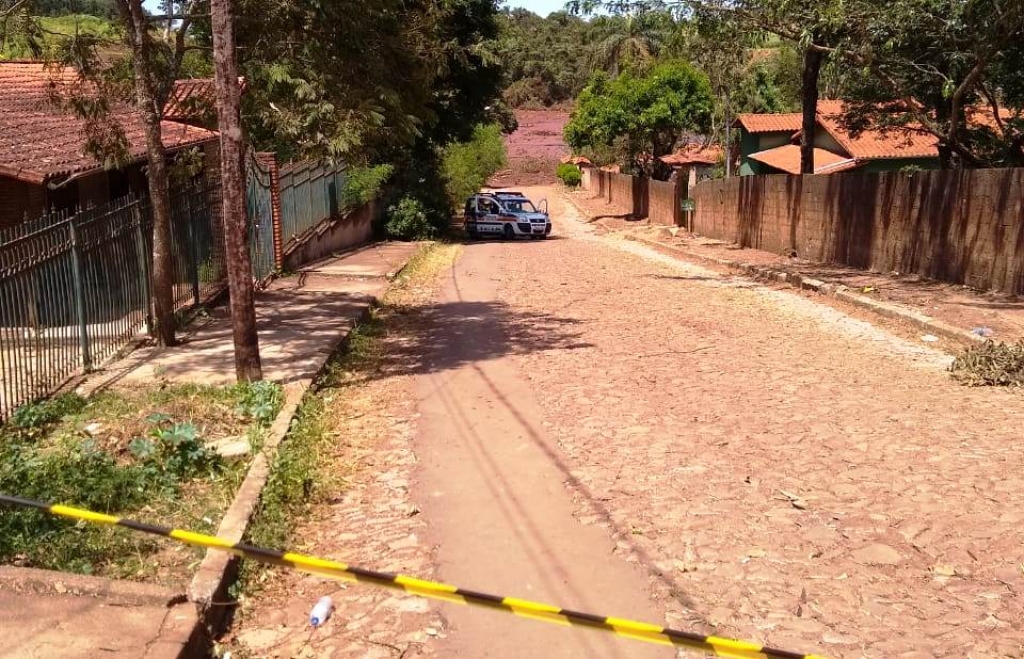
300,319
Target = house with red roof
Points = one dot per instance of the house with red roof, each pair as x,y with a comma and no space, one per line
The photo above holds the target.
770,144
44,165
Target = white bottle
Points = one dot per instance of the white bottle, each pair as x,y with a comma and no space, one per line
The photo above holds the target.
321,612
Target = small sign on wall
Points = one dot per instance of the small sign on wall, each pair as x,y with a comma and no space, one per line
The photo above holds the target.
688,205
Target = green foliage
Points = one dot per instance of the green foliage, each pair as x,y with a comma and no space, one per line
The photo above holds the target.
77,471
46,455
570,174
99,8
363,184
549,60
409,220
357,79
466,166
260,401
991,364
642,115
47,411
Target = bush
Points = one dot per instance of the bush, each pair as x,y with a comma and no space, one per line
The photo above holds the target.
570,174
363,185
466,166
991,364
409,220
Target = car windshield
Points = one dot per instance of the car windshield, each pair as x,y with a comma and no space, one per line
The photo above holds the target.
519,206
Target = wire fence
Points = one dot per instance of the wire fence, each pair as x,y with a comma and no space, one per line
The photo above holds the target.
75,288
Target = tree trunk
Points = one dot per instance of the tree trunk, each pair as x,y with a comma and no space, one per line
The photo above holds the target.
809,94
151,111
232,152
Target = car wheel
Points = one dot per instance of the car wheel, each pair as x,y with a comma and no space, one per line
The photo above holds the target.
510,233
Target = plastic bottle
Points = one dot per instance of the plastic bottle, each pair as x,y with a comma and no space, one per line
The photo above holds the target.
321,611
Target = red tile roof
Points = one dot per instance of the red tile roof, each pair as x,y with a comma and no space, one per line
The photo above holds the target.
875,143
579,161
40,141
787,159
190,98
770,123
694,154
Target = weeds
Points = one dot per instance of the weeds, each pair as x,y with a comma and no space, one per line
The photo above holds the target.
990,364
117,453
45,412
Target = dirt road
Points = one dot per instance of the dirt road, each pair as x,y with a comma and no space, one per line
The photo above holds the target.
609,429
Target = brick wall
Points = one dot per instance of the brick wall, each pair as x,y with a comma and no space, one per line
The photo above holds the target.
964,227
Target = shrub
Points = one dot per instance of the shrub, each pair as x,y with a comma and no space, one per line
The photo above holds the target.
466,166
409,220
570,174
991,364
363,184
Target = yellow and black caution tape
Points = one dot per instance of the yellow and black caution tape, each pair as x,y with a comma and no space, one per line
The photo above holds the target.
631,629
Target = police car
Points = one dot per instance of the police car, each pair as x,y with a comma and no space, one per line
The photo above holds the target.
505,215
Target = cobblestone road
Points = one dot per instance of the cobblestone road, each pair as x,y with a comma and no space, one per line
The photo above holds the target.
788,473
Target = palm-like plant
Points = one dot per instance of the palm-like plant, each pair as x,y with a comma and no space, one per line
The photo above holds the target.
636,41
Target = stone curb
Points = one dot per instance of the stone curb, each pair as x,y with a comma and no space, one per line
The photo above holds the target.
796,280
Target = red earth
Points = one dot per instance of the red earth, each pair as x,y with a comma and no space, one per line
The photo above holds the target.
534,150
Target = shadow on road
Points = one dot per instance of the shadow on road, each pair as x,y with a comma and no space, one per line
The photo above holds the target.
444,336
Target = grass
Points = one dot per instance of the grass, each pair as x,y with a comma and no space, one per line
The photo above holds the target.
140,453
310,469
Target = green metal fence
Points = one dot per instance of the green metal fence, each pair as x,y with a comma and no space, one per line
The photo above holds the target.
260,201
310,193
75,289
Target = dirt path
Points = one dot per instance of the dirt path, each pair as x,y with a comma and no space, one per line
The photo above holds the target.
491,480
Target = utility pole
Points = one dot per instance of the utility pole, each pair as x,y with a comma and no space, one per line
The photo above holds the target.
232,166
728,137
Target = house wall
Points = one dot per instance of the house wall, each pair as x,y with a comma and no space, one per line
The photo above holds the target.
20,201
964,226
897,164
824,140
755,143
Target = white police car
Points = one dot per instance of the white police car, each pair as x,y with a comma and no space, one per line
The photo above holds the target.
505,215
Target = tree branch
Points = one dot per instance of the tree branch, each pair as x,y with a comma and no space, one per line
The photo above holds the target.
13,8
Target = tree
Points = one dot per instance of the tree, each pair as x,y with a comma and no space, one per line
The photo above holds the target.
644,115
636,40
155,72
950,70
236,226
